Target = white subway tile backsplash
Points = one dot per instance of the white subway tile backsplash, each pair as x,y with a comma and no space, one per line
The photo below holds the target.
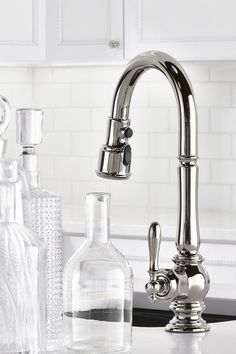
212,94
48,121
71,119
55,144
140,95
105,74
197,72
99,119
234,198
128,193
234,146
163,145
52,95
11,75
139,143
145,119
42,75
234,95
46,167
77,102
223,120
163,195
214,146
204,171
223,71
74,168
214,197
68,75
161,95
135,215
153,76
150,170
224,172
86,144
90,95
21,95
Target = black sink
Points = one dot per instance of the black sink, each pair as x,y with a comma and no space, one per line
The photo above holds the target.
160,318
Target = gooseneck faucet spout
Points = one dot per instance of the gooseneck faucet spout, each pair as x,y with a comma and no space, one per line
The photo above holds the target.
187,284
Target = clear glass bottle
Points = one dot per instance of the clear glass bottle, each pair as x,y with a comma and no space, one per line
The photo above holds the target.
45,220
98,288
22,273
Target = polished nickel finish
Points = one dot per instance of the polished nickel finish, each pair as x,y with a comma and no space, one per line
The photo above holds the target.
187,284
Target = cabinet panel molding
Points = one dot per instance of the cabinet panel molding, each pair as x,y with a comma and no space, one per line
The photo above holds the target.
74,27
82,31
22,30
189,30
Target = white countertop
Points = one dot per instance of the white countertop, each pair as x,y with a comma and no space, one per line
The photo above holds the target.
220,340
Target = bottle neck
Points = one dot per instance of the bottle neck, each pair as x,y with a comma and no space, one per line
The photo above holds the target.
97,217
97,230
29,161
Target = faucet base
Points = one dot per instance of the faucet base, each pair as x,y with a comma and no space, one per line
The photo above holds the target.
188,318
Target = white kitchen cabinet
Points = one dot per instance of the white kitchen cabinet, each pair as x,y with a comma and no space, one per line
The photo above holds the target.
73,31
187,29
79,30
22,30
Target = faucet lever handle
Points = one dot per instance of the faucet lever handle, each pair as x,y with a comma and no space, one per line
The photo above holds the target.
153,287
154,240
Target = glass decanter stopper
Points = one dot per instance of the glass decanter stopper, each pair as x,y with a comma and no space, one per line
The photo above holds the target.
22,277
4,122
98,288
45,220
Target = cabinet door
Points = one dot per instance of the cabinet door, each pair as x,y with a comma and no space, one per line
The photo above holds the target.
79,30
186,29
22,30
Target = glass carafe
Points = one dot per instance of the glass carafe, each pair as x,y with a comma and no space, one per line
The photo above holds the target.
22,280
45,219
98,288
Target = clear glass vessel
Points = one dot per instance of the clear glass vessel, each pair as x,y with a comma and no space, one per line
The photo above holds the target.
22,273
47,224
98,288
45,220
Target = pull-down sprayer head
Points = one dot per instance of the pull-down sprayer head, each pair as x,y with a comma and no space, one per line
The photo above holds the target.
115,156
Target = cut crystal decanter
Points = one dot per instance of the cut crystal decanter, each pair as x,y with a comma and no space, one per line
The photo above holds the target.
46,220
22,276
98,288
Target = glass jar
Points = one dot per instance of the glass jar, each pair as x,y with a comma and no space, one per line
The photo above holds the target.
98,288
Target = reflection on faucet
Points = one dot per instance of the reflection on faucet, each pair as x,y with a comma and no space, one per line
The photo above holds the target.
187,284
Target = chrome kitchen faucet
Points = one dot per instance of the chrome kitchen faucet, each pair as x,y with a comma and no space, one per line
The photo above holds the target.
187,284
